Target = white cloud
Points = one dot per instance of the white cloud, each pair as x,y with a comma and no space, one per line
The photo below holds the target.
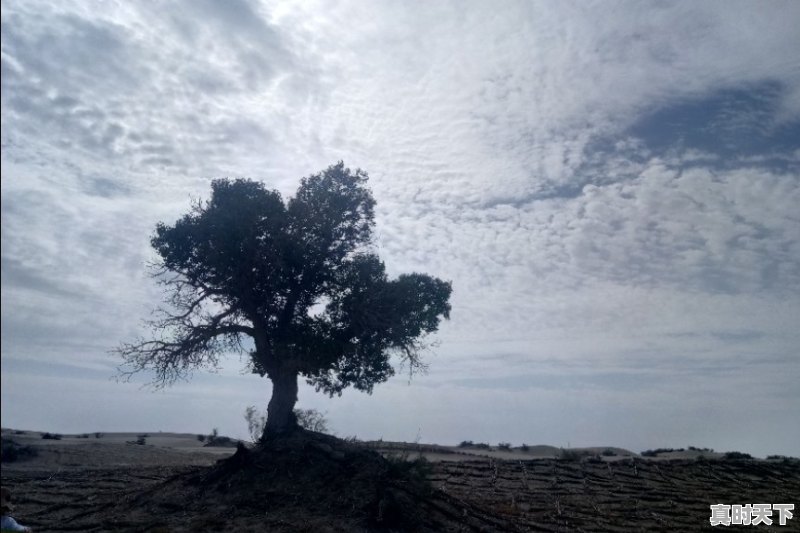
507,152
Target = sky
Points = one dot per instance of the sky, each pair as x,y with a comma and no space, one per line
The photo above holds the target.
611,187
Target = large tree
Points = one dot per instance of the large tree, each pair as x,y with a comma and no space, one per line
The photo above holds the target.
299,278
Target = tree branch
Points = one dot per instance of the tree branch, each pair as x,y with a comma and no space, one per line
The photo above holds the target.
183,348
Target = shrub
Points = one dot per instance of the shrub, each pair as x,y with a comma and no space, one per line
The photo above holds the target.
654,453
312,420
415,472
201,438
466,444
51,436
570,455
524,447
217,440
83,436
309,419
608,452
220,441
736,456
11,451
482,446
141,440
504,445
704,450
396,511
98,435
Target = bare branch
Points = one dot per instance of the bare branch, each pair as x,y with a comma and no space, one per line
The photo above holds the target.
184,347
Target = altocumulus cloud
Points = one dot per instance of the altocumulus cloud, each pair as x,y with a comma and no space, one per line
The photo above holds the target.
611,187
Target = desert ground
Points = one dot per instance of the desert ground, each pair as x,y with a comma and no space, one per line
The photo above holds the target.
166,482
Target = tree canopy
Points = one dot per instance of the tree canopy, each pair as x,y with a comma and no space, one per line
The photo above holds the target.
298,277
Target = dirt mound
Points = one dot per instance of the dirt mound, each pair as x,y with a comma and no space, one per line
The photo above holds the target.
303,481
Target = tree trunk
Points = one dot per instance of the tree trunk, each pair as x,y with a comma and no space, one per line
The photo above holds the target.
280,412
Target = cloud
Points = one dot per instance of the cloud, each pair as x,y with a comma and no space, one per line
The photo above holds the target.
126,85
610,186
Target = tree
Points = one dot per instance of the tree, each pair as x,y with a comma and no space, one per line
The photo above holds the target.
298,278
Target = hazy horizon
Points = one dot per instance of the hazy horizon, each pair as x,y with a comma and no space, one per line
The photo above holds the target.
611,187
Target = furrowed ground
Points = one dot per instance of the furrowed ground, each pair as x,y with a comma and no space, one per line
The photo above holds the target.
171,492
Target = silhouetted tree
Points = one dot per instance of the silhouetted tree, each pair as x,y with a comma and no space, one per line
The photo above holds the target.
299,279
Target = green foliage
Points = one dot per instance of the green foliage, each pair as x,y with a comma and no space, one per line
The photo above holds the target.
201,438
504,446
299,277
466,444
51,436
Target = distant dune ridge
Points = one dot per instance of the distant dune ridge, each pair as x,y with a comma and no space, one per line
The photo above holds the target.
180,447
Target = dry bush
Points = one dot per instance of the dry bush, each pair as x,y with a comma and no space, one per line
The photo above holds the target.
11,451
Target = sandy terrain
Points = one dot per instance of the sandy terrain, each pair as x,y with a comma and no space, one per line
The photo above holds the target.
111,483
184,449
115,450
